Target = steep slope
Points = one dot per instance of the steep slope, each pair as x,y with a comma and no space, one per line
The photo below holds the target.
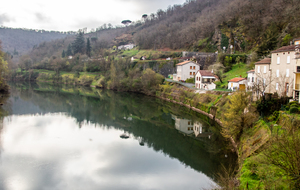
200,25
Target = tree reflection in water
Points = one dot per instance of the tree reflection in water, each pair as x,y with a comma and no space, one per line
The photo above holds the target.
177,131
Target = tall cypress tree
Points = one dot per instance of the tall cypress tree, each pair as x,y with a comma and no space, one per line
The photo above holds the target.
88,48
69,50
63,54
79,44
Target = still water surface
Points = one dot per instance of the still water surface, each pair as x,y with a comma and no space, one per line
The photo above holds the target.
69,138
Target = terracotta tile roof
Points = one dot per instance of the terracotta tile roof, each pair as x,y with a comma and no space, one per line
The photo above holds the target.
264,61
251,71
182,63
238,79
297,39
285,49
206,73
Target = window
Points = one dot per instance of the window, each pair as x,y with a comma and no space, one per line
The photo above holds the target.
278,60
264,82
265,69
287,72
276,86
194,67
298,69
191,73
297,43
191,67
189,123
258,69
252,79
288,59
277,72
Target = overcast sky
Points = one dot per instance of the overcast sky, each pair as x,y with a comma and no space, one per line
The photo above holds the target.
67,15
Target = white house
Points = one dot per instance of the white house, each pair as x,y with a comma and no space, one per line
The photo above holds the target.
237,83
186,70
250,78
128,46
205,79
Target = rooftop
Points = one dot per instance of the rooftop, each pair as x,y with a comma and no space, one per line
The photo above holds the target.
285,49
185,62
238,79
206,73
264,61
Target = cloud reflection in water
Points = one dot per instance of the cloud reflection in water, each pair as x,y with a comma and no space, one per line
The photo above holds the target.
51,152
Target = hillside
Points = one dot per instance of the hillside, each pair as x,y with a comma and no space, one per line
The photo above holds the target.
19,41
202,25
197,25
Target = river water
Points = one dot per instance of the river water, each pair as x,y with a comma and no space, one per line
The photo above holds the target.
60,137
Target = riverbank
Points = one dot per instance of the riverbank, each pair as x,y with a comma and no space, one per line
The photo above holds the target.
213,104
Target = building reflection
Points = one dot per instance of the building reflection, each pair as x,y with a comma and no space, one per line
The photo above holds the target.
192,128
201,131
185,126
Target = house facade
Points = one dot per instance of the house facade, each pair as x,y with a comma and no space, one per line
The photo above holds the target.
250,79
283,66
205,79
186,70
237,83
296,87
263,76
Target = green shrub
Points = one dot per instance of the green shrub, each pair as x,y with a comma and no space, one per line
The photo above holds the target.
294,110
191,80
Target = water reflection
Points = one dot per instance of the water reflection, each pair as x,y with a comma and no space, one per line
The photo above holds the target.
43,148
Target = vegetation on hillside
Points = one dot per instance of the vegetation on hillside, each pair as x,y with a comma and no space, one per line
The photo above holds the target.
19,41
3,72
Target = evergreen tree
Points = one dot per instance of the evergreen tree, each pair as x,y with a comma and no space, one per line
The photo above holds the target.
69,50
79,44
88,48
63,54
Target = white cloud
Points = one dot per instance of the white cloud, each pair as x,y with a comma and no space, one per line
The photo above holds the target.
67,15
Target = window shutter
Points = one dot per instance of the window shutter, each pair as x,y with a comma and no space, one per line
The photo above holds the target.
277,72
278,60
287,72
258,69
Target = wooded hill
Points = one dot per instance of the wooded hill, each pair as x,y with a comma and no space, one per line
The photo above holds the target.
18,41
198,25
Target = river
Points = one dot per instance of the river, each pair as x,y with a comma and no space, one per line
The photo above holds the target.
62,137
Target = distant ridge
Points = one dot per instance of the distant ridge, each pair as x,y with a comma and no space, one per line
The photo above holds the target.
21,40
